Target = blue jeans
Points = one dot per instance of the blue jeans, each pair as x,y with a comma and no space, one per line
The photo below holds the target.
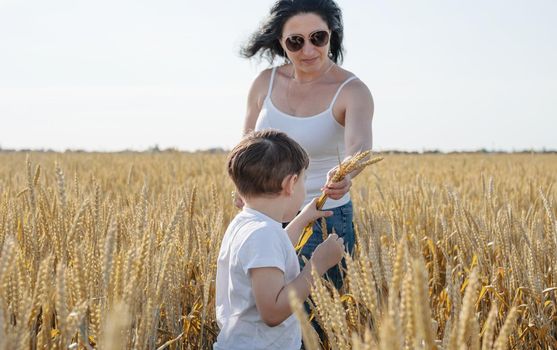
341,221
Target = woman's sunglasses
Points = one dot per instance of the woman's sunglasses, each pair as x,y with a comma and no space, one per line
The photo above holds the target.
295,42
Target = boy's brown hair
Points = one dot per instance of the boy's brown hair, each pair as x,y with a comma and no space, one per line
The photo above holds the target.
259,163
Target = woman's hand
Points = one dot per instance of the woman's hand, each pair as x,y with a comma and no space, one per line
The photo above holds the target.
335,190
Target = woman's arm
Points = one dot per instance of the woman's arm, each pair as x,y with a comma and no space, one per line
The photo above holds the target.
357,119
357,132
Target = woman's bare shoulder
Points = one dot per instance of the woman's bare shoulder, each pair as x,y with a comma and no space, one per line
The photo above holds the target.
358,87
355,93
262,79
355,88
260,84
259,87
354,84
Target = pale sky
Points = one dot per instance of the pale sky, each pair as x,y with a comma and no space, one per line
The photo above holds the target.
112,75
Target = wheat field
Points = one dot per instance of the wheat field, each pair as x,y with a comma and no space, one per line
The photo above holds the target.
118,251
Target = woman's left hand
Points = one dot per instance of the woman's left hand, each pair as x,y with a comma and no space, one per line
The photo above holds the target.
335,190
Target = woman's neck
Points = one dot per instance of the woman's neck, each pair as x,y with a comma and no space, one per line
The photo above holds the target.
306,78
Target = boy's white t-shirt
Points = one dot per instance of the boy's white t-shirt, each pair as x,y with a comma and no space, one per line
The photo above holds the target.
252,240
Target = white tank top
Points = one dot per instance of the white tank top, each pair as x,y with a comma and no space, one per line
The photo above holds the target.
320,135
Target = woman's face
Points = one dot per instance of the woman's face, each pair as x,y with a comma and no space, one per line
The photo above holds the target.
309,58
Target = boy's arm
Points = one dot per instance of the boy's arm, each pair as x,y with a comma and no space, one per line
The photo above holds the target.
271,291
308,214
295,228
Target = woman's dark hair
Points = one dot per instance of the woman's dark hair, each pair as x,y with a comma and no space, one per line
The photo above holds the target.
265,41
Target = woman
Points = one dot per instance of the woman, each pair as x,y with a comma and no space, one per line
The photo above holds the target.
324,107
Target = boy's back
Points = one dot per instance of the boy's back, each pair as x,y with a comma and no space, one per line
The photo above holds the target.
252,240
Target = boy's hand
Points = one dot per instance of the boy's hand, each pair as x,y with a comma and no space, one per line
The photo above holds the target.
308,215
310,212
328,254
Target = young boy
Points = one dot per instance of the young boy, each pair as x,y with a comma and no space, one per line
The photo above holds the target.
257,264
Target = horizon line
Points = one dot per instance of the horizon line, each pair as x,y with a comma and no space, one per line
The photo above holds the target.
157,149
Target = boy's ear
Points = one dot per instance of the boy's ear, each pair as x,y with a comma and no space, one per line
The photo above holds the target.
288,183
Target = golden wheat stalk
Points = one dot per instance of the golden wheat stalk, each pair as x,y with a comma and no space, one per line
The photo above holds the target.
354,163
